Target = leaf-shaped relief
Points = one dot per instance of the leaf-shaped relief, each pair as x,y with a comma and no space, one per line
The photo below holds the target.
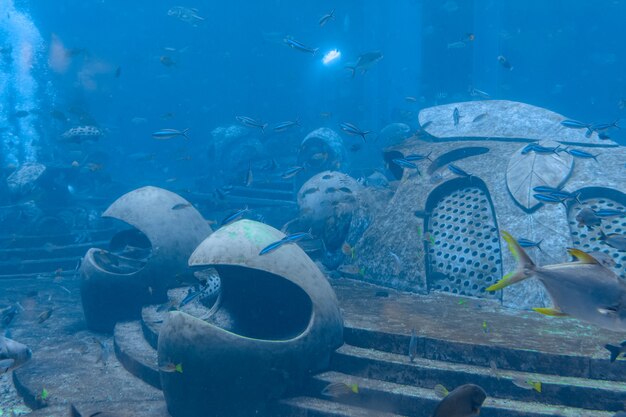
530,170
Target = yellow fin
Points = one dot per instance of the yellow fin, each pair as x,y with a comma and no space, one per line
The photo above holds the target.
516,250
504,282
583,257
179,368
441,391
549,311
536,385
354,388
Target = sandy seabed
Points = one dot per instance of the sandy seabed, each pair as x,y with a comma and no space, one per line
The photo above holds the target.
10,401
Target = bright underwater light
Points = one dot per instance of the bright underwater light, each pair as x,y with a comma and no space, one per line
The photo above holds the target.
331,56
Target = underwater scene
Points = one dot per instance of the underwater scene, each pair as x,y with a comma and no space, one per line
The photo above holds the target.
312,209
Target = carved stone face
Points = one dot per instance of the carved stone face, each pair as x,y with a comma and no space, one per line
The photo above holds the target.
143,262
277,323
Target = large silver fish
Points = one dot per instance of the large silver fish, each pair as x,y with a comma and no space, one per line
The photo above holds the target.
585,289
12,354
365,62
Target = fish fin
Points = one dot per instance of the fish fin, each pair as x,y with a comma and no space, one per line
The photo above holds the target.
74,412
536,386
179,368
352,71
184,133
354,388
5,364
525,265
547,311
615,351
583,257
441,391
577,195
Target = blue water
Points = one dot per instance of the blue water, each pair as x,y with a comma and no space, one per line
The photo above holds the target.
567,56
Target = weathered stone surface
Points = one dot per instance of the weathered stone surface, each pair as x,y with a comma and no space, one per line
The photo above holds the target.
393,133
321,150
503,119
327,202
388,397
529,170
398,230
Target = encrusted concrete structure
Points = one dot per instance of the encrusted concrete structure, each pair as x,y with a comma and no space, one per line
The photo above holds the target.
441,230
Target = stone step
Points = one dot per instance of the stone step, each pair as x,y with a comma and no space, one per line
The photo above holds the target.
426,373
79,236
39,265
49,251
474,331
316,407
420,402
151,321
135,354
130,408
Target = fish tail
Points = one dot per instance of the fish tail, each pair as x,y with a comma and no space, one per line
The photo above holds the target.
428,156
615,124
263,128
184,133
577,195
615,351
74,412
315,51
525,266
539,245
352,71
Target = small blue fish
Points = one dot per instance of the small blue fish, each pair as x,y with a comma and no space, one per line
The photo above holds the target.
417,157
293,238
525,243
564,195
574,124
533,147
599,127
351,129
169,134
456,116
250,122
458,171
404,163
299,46
281,127
292,172
548,198
544,189
582,154
191,295
234,216
546,149
610,213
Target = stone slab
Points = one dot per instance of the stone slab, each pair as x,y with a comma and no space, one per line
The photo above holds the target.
503,120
